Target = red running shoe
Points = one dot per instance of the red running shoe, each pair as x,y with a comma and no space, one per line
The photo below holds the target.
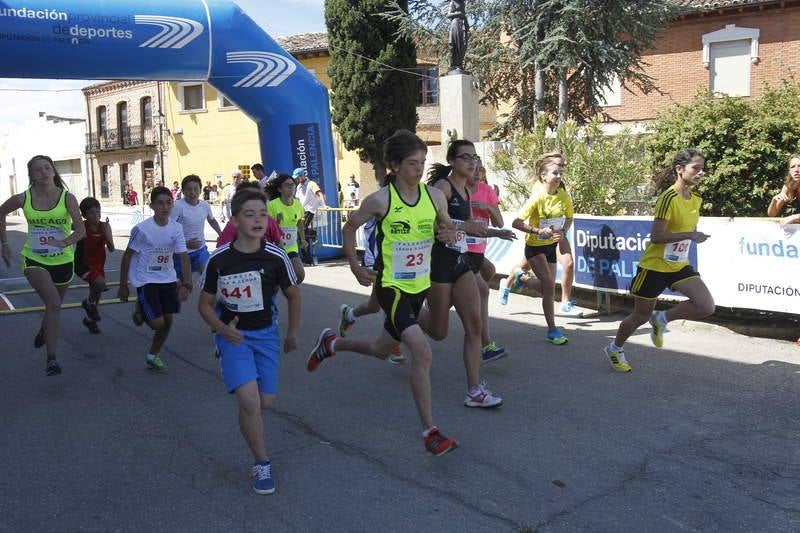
322,350
437,444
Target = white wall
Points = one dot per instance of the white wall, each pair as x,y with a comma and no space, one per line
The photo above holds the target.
61,141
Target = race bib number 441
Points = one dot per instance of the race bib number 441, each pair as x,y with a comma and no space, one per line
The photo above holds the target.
677,252
241,292
411,260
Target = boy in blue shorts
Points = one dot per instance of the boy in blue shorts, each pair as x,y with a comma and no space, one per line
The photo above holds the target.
238,302
148,265
192,213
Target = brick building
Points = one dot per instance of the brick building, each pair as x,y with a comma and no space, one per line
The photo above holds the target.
723,46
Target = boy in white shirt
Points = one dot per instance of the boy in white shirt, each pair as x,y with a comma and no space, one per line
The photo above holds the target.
148,265
192,213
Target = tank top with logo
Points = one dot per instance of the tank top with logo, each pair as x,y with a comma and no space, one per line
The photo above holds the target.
459,209
45,226
405,236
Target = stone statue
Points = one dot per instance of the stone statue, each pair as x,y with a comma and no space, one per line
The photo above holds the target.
459,34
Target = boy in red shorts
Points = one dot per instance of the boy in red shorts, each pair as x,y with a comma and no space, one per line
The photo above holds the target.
90,259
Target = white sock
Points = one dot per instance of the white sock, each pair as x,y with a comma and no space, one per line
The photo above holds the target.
150,357
661,316
351,316
614,348
428,431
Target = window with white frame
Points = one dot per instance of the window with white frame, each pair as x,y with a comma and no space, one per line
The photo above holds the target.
612,94
224,103
192,97
728,54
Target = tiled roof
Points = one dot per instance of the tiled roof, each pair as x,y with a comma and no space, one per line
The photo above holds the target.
711,5
304,43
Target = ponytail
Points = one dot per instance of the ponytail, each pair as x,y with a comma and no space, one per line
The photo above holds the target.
437,172
664,179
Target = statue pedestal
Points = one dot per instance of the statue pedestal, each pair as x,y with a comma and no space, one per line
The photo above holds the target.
459,107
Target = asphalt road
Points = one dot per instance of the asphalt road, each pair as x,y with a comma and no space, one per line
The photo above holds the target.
701,436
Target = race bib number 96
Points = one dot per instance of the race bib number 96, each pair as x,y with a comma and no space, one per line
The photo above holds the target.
160,260
241,292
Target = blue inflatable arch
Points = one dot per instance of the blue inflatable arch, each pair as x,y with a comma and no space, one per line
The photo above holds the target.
180,40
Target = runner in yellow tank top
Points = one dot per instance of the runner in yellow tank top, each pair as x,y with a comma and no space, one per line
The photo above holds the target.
47,255
288,212
665,261
408,214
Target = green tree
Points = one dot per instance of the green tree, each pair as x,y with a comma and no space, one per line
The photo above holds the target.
373,90
605,174
747,144
554,57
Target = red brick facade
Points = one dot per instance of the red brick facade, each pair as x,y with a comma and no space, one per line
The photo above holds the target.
676,63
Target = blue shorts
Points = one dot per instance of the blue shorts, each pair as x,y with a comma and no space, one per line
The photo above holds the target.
256,358
197,259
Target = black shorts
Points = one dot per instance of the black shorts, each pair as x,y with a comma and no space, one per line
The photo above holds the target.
291,255
475,261
401,309
158,299
650,284
60,274
447,266
549,251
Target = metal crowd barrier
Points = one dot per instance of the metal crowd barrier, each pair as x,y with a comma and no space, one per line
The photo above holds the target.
329,222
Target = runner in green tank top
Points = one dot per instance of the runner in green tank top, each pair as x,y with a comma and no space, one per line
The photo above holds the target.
410,216
47,255
288,212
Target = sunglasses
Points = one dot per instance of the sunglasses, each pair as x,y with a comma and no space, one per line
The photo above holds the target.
467,157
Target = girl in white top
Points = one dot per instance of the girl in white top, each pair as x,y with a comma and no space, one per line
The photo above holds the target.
192,213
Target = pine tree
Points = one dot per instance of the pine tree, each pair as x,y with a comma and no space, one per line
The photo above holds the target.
374,90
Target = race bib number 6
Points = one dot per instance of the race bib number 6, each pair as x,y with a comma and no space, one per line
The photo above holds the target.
411,260
677,252
241,292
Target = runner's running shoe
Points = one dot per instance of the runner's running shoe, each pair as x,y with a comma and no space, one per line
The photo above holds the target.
91,325
518,283
344,324
482,397
657,333
39,340
322,349
504,292
52,368
91,310
262,478
492,352
397,358
156,364
554,336
617,360
437,444
569,308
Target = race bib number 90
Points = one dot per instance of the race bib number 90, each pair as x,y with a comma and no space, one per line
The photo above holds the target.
411,260
160,260
40,239
677,252
241,292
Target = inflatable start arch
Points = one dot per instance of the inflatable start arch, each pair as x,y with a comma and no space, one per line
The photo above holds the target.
179,40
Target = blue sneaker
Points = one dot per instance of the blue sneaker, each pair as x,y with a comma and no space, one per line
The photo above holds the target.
262,478
518,273
492,352
504,292
554,336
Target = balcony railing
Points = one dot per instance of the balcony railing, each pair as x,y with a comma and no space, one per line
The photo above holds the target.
121,138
